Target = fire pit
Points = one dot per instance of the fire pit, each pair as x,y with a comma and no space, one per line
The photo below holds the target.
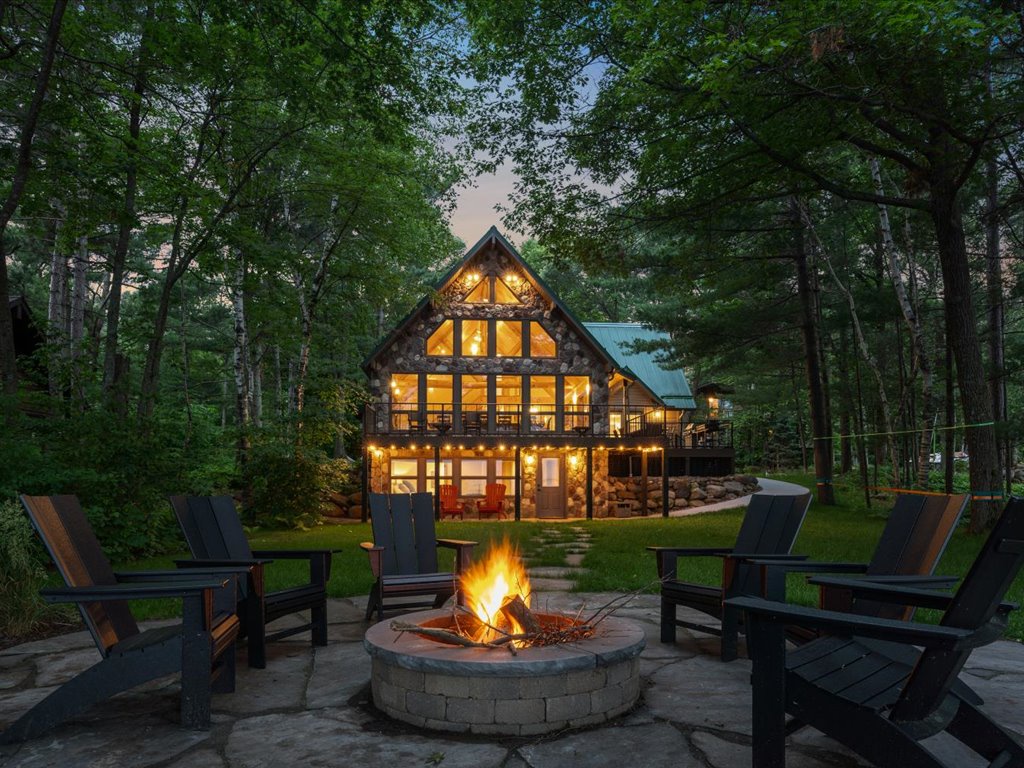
447,670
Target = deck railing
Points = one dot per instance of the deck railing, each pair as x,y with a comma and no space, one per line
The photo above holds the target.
516,419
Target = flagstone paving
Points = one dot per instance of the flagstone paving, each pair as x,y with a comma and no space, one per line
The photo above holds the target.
311,706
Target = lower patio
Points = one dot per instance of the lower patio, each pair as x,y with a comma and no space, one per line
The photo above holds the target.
311,706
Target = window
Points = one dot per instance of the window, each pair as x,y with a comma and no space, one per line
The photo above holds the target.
474,477
505,473
542,403
474,338
441,342
404,475
481,294
549,473
439,394
405,389
474,401
508,336
576,391
502,293
446,473
541,343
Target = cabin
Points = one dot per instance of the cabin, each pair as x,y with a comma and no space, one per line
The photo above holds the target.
491,379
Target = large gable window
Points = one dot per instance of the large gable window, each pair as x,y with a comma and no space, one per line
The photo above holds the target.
481,293
541,343
508,336
441,343
492,290
503,294
474,338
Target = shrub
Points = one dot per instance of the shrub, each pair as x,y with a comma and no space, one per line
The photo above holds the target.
21,574
288,489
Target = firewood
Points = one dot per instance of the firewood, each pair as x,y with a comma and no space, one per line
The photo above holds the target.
515,608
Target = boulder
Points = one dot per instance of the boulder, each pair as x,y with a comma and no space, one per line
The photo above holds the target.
696,494
715,491
731,486
695,503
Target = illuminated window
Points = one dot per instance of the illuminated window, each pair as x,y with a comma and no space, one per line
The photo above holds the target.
508,392
404,475
615,424
442,341
503,294
542,403
474,338
541,343
474,477
405,389
446,473
505,473
508,338
439,394
481,294
576,391
474,396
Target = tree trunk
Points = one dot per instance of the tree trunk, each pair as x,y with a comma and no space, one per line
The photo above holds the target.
256,385
996,321
26,135
975,396
241,366
55,319
78,294
820,429
127,216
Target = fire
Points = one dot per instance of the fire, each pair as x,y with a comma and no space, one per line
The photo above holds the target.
488,583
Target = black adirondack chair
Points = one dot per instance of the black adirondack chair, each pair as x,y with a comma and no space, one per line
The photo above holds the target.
202,647
878,685
915,536
215,537
403,555
769,529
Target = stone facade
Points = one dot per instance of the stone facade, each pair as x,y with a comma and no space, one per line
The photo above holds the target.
625,493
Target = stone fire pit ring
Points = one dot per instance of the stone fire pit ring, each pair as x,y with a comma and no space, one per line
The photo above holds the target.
489,691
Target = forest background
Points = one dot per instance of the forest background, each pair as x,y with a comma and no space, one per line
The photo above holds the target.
213,210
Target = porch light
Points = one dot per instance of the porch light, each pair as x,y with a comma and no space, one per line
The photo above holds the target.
530,459
574,460
412,446
447,446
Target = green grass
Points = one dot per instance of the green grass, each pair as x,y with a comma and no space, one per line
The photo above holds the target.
618,560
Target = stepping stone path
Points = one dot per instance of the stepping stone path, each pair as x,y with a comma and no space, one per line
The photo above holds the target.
571,544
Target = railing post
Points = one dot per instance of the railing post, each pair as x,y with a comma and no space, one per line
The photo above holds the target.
590,482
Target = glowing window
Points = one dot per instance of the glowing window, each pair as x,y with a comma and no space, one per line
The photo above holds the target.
474,338
542,403
508,393
405,388
541,343
481,294
439,392
505,473
576,391
474,392
446,473
508,337
503,294
404,475
474,477
442,341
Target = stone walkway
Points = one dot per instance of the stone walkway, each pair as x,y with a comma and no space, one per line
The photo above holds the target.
311,707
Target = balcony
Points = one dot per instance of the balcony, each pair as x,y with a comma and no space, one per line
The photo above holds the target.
504,420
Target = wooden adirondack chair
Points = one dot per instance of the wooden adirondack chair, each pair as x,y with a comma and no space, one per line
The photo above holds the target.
450,506
403,555
215,537
880,686
769,529
914,538
493,502
202,647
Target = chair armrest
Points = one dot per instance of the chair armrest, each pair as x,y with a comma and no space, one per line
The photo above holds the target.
376,555
693,551
774,570
887,593
217,563
909,579
97,592
846,624
190,574
293,554
463,552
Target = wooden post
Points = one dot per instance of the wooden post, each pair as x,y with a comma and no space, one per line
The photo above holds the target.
437,479
664,482
519,488
590,482
643,482
367,466
768,678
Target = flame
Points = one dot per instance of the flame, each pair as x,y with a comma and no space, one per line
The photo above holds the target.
492,580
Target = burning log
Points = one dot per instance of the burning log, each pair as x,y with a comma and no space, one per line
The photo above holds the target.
516,611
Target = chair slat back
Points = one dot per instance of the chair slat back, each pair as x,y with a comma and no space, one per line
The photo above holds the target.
449,497
423,526
770,527
973,606
212,527
914,538
383,536
403,525
65,530
494,494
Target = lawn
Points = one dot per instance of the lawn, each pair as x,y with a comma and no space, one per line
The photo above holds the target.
618,560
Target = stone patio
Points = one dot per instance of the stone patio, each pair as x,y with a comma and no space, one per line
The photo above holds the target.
311,707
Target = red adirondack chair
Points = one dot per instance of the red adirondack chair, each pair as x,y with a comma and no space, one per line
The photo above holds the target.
493,502
450,505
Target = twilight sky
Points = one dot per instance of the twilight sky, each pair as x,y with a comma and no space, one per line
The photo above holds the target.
474,212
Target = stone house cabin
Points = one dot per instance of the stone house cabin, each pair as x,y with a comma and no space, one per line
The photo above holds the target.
492,379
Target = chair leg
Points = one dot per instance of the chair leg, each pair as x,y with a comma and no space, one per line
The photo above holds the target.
668,621
318,618
374,603
224,682
987,738
730,634
256,630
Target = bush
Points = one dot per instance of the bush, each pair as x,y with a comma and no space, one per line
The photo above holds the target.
22,574
288,489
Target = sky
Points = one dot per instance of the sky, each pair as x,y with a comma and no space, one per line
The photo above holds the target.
475,210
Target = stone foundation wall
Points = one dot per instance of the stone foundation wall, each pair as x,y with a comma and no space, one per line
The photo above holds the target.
683,492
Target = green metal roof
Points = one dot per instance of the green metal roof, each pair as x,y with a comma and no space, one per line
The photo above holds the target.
669,384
